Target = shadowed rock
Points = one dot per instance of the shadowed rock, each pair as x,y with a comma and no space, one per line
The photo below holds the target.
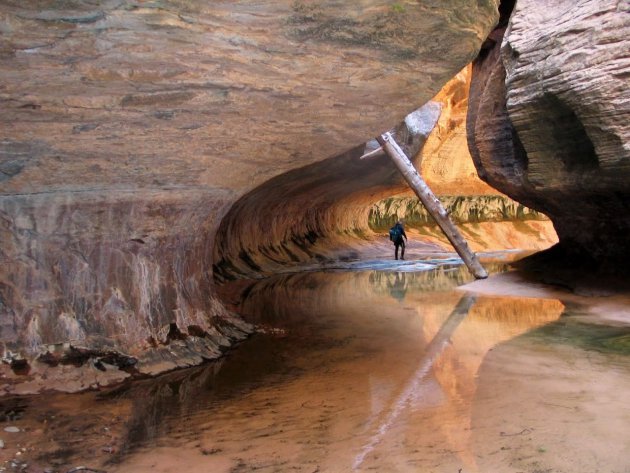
548,122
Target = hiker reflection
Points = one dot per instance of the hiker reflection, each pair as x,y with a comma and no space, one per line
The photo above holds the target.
396,234
397,287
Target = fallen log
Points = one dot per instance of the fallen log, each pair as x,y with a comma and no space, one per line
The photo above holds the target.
431,202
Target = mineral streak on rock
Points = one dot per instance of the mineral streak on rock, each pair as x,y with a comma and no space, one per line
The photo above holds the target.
129,129
548,120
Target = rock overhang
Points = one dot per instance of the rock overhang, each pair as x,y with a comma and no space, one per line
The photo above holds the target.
130,128
548,123
169,93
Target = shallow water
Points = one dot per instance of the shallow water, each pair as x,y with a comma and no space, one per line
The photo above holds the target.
360,371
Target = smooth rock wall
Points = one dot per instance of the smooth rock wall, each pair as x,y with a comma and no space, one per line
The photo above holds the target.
548,121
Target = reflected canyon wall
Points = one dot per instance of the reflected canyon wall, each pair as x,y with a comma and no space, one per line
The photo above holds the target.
323,366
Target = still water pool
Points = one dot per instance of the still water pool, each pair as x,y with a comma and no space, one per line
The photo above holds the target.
361,371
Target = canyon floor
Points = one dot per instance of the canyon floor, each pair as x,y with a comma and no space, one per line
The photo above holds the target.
378,369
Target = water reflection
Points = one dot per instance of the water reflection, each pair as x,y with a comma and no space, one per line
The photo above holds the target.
397,287
413,388
372,371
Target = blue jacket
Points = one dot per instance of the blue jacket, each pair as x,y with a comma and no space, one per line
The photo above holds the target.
396,234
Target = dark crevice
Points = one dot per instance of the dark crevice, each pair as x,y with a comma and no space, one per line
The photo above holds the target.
20,367
505,12
197,331
79,356
244,256
496,35
174,333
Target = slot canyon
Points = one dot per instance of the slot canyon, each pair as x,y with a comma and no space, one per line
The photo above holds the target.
195,267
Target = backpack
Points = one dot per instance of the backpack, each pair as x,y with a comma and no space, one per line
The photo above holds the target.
395,233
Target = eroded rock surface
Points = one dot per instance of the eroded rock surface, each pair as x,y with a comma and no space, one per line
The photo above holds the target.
129,129
336,208
548,121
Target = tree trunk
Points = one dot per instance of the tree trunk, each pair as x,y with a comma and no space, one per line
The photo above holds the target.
431,202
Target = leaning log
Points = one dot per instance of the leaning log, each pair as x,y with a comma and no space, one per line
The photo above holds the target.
375,152
431,202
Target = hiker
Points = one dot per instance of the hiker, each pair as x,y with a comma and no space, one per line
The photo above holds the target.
396,234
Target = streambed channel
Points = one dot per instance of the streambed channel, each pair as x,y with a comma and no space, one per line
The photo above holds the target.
370,370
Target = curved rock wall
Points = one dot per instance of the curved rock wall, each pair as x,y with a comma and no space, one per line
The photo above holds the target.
130,128
548,121
338,207
283,220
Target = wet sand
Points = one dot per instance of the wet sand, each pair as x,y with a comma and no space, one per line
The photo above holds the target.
364,371
608,302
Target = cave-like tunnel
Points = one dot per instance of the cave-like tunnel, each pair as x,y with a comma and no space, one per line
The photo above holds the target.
341,208
181,177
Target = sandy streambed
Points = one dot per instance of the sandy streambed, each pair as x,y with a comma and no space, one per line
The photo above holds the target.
375,370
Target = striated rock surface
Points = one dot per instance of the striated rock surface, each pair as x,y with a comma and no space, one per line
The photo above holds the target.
548,121
130,128
445,161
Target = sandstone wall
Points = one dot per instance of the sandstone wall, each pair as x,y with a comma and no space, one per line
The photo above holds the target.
548,121
130,128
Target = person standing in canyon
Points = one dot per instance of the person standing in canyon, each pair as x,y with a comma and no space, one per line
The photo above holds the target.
396,234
